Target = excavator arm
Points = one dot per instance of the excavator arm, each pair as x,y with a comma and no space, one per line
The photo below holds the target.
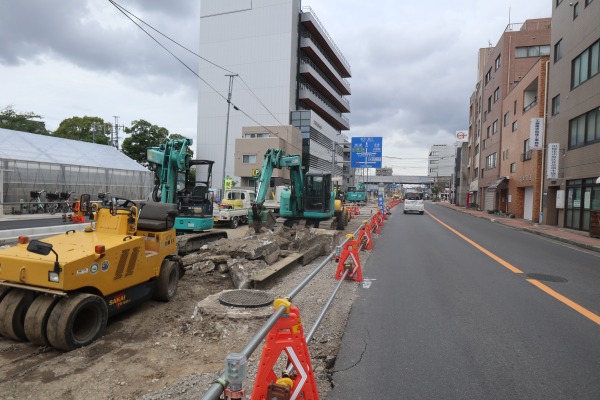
276,159
167,160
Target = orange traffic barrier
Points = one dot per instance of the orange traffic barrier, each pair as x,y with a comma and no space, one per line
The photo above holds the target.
349,259
365,237
287,335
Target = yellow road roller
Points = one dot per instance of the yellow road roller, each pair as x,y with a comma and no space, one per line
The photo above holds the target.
60,291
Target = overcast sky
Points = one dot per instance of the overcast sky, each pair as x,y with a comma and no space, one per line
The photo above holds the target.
413,63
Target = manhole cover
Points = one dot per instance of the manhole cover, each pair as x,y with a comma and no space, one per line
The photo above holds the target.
246,298
546,278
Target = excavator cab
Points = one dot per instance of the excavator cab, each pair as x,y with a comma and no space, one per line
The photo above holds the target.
317,193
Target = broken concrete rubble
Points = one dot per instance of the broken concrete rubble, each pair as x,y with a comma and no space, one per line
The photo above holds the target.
243,258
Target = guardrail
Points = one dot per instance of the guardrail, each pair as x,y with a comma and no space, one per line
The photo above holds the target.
291,330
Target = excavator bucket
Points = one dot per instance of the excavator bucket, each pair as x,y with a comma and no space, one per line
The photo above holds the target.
262,219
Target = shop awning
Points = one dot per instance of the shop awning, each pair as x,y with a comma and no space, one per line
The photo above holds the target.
498,182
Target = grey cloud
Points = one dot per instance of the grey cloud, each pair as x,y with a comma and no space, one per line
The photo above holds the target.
69,30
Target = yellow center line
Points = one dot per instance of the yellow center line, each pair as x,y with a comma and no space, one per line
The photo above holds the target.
480,248
583,311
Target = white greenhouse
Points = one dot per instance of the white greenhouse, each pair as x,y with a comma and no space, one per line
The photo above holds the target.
31,163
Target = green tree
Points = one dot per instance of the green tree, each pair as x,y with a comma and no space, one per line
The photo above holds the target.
143,135
23,122
85,129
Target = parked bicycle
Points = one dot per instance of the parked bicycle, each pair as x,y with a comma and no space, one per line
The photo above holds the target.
35,202
52,202
65,205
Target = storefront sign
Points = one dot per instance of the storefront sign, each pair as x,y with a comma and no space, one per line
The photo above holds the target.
552,163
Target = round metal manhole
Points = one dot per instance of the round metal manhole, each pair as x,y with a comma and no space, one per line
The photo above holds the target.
246,298
546,278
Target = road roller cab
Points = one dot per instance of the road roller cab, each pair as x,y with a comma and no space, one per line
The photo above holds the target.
60,291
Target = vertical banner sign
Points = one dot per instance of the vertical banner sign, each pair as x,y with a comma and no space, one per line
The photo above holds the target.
536,133
380,202
552,163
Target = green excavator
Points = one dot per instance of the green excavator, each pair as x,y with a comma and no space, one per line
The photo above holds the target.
309,197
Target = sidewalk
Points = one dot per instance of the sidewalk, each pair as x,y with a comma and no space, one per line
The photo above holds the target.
570,236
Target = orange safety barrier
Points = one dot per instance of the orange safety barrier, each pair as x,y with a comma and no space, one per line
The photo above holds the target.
364,236
349,259
286,336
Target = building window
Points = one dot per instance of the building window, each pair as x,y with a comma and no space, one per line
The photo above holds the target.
432,170
584,129
434,153
532,51
513,168
505,154
249,159
526,151
477,149
490,104
558,50
488,131
434,161
490,161
505,120
585,65
488,76
515,108
498,61
496,94
558,2
495,127
588,2
556,104
515,125
475,173
575,10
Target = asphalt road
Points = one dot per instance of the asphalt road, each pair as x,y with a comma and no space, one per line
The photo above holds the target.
438,318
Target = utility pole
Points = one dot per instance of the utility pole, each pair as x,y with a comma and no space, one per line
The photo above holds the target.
231,76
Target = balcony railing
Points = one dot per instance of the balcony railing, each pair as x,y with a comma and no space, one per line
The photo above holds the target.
530,105
307,9
306,60
309,36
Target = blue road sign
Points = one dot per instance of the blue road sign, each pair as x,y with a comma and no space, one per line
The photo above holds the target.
365,152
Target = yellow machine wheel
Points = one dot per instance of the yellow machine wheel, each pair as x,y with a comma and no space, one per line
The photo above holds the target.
167,281
12,313
76,321
36,319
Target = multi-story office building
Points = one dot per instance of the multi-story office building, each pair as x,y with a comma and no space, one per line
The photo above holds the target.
573,125
518,49
289,72
522,142
441,164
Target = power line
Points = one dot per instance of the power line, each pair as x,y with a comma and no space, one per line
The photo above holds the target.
125,12
261,103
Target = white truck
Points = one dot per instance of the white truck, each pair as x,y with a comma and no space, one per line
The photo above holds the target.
234,207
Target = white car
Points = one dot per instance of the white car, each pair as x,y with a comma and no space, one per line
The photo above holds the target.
413,202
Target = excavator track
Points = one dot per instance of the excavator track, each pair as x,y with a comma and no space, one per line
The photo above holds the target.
193,242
